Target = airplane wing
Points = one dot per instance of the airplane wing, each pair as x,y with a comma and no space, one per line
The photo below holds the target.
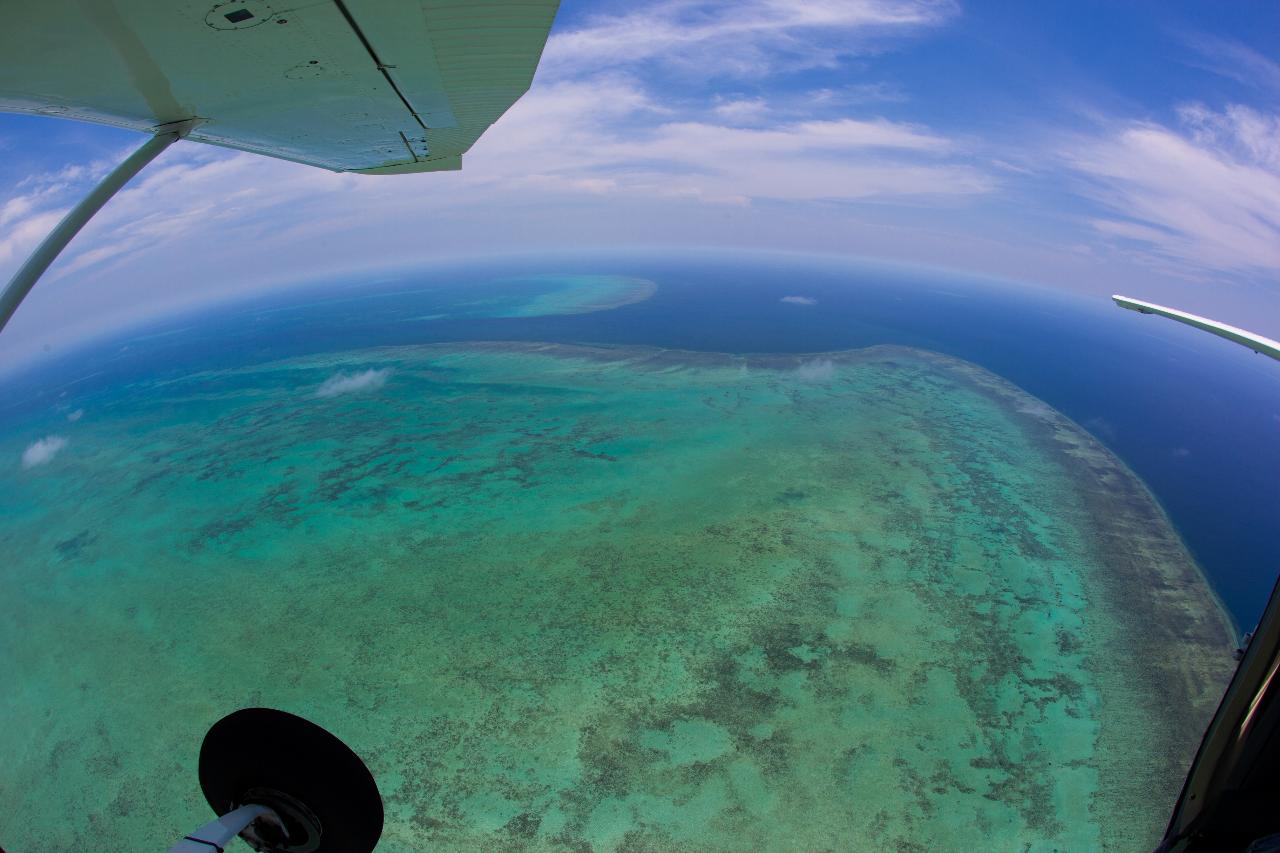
1252,340
368,86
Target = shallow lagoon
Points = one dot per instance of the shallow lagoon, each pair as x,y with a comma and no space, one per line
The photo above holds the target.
624,597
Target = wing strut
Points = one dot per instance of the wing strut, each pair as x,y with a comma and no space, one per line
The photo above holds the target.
1228,798
47,252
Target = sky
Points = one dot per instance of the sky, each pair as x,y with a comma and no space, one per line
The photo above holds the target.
1088,145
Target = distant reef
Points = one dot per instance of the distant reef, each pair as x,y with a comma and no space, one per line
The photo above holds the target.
578,294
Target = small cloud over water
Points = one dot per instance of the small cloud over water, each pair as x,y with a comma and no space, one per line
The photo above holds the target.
818,370
76,415
799,300
40,452
346,383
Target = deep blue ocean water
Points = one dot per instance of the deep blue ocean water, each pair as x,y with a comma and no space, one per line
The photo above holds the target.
1196,417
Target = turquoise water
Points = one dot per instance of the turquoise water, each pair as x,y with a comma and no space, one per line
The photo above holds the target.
1195,417
509,296
571,597
557,294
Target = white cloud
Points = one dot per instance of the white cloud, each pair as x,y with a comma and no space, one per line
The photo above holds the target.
596,112
29,215
1208,196
799,300
840,136
1238,61
14,208
75,416
1247,134
23,230
637,149
742,110
346,383
783,106
40,452
193,193
818,370
856,93
746,38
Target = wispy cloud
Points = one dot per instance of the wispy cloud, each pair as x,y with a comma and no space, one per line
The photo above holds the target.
42,451
799,300
591,137
1245,134
25,225
639,149
786,106
1207,194
748,38
602,122
347,383
1235,60
741,110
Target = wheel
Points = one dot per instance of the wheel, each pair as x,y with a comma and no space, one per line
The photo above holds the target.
326,798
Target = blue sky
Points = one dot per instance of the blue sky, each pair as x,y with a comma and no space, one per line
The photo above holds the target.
1095,146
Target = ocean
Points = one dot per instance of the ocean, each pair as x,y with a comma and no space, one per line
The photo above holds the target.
1197,418
698,550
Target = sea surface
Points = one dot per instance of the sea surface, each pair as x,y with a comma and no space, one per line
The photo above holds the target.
681,551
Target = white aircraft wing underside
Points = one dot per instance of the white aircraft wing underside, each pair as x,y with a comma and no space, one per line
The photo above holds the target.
371,86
